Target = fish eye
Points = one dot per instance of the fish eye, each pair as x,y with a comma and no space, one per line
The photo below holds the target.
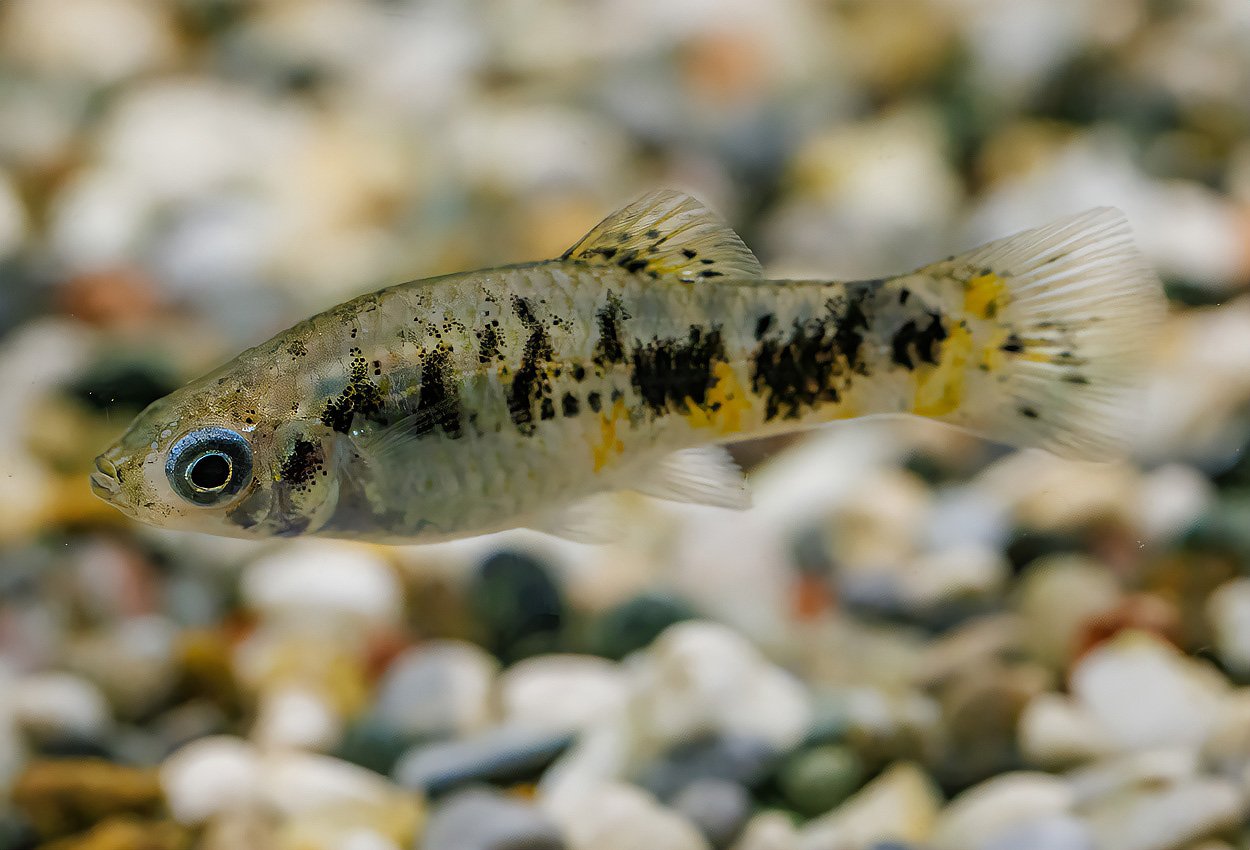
209,466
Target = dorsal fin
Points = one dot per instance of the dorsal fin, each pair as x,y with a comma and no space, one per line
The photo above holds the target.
668,234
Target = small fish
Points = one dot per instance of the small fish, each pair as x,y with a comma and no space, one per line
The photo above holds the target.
514,396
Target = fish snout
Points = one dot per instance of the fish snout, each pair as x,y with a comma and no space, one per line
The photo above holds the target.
104,481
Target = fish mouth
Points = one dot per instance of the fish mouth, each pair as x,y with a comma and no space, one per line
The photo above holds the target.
104,480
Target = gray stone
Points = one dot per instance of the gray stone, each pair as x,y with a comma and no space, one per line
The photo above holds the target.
500,755
478,819
719,808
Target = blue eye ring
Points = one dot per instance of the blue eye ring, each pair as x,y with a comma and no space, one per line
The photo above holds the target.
209,466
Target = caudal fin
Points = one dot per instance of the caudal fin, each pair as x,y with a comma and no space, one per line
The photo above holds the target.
1073,310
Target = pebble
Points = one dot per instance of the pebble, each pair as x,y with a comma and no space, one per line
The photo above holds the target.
1055,597
1167,817
616,816
502,754
719,808
901,804
61,706
436,689
1057,732
313,581
477,819
561,693
517,605
209,776
291,716
746,761
1228,611
769,830
133,662
632,625
1145,693
1054,832
814,781
983,812
700,677
62,796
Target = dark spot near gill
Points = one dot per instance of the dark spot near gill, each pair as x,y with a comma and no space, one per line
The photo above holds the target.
920,341
610,348
361,397
1027,412
689,253
813,364
635,265
569,405
764,324
677,371
547,409
1013,345
595,401
300,467
579,372
710,273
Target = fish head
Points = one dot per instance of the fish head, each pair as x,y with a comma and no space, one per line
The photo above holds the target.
224,463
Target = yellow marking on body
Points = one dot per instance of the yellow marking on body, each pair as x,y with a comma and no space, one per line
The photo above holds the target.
992,358
986,295
609,442
939,389
726,402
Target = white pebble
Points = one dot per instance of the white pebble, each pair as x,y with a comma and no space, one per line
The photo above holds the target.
1146,694
1228,610
314,580
295,782
210,776
443,687
996,805
296,717
616,816
61,704
561,693
1168,817
1055,732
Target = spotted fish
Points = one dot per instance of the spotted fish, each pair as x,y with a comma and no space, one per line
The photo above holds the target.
515,396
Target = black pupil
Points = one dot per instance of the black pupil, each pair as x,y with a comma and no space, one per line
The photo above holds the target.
210,472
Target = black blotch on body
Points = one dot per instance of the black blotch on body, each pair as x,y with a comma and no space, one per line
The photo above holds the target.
570,405
595,401
530,383
438,399
610,348
488,342
813,364
1013,345
1028,412
920,341
763,325
675,371
301,466
361,397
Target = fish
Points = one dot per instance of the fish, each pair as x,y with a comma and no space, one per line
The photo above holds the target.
526,395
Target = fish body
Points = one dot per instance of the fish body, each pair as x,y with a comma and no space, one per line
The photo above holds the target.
514,396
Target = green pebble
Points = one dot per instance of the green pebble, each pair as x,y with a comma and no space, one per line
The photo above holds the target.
814,781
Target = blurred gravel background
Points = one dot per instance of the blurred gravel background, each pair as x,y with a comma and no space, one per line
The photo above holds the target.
915,641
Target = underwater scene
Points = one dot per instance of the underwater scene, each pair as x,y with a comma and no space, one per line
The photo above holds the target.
608,547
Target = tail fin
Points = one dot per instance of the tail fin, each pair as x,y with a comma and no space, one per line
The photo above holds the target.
1072,309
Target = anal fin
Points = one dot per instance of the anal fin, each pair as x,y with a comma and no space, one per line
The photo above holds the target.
706,475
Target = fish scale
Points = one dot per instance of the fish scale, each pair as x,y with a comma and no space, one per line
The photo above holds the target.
516,396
